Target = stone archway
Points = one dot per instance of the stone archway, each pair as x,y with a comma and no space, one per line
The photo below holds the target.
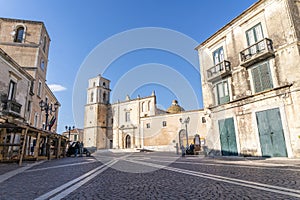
182,137
127,142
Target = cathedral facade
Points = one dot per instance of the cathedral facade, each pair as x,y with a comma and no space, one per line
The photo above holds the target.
137,123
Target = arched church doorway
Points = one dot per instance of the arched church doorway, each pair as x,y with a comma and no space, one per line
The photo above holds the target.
127,141
182,137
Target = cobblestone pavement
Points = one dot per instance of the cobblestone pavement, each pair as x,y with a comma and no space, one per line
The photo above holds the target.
109,175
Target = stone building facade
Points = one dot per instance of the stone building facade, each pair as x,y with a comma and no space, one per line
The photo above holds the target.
136,123
27,43
250,71
15,85
74,135
24,47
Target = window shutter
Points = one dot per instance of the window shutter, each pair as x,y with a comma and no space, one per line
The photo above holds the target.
266,80
256,79
261,76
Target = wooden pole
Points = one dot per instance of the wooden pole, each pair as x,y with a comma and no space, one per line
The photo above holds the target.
24,132
37,146
58,153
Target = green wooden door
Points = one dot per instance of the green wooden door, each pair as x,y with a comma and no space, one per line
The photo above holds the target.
227,137
271,135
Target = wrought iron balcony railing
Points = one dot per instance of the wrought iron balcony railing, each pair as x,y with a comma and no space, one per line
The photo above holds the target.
219,70
261,50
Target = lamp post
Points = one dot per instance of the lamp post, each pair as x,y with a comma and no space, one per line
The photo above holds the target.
69,128
185,121
48,108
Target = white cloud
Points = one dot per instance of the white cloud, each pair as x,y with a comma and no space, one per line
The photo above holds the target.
56,88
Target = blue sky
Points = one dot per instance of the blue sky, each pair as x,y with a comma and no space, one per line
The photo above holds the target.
78,29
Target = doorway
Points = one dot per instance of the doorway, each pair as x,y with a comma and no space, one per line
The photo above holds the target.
227,137
271,133
182,138
127,142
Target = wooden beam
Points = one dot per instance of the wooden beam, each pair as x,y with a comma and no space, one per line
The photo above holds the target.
37,146
58,153
24,132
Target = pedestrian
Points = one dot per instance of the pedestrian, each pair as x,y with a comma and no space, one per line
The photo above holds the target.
80,149
76,148
182,151
192,147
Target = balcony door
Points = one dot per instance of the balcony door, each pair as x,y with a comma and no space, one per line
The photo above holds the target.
222,92
254,35
218,57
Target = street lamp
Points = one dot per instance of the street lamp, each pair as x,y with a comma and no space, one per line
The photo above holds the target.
185,121
45,106
69,128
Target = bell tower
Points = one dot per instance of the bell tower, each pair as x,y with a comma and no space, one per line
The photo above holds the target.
96,113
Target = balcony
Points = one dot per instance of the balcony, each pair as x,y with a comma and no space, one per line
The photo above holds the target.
219,71
11,107
257,52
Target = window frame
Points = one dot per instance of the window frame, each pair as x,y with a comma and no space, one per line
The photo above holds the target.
42,64
19,37
255,33
127,116
12,90
220,55
225,98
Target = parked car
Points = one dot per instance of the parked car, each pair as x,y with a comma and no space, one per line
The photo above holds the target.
72,148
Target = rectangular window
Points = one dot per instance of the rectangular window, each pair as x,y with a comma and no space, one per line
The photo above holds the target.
222,92
29,106
75,137
148,125
42,65
127,116
261,76
164,123
31,88
11,90
39,89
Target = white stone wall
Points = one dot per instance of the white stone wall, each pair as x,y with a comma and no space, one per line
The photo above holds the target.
123,127
164,138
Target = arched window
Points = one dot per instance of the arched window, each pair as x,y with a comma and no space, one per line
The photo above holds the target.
143,105
19,35
45,44
104,97
92,97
